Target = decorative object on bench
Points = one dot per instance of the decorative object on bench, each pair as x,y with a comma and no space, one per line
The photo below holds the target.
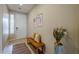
36,43
58,34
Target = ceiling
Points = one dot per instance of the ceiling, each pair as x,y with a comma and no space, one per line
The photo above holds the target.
25,8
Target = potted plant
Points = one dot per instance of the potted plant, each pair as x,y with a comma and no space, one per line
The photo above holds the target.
59,34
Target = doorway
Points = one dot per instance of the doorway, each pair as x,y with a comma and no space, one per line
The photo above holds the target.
18,25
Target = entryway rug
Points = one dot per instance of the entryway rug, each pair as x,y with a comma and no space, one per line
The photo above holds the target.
20,48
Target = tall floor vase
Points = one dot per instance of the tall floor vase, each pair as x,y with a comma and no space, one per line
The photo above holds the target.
59,47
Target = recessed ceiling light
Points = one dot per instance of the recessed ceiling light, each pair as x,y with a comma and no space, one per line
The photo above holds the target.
20,4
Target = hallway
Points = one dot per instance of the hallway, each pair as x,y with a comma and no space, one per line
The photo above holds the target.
39,29
45,28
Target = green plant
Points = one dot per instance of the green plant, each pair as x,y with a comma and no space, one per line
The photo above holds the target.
59,33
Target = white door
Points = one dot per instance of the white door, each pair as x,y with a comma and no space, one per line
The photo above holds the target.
20,25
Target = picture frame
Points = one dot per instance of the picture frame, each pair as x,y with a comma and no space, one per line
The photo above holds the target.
38,20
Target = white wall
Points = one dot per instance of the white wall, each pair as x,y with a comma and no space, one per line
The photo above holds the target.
5,25
56,16
1,28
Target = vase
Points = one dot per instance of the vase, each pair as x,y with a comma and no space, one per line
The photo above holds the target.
58,47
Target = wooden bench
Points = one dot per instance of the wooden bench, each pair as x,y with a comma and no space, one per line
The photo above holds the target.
38,46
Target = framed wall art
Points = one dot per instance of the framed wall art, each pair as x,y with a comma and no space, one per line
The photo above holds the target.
38,20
